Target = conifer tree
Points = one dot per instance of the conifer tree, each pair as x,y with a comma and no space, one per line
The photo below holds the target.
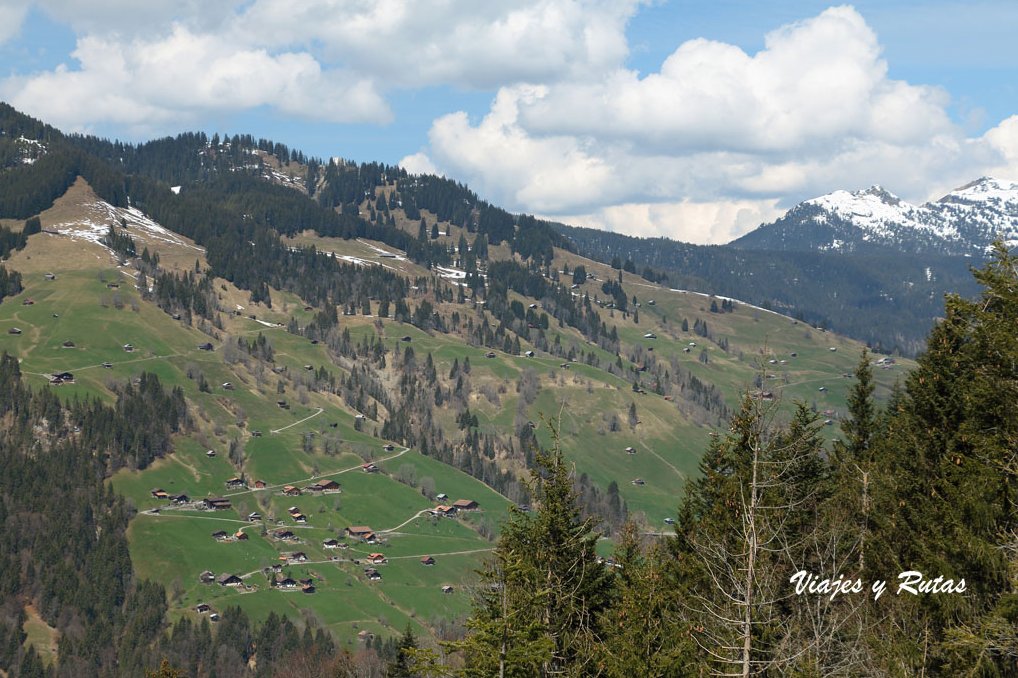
542,595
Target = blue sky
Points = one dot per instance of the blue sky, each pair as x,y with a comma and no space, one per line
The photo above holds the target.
696,120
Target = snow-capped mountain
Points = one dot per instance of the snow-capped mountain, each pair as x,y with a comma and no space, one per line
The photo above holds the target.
965,221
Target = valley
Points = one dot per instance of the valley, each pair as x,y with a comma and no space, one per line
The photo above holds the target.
267,423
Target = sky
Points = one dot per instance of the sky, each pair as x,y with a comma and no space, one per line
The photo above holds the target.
691,119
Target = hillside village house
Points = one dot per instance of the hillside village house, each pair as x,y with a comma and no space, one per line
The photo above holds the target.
361,532
323,486
377,559
465,504
216,503
427,560
230,580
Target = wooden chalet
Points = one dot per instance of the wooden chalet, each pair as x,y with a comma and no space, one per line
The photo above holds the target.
443,510
14,330
362,532
234,483
428,560
287,583
369,468
205,347
207,577
298,557
377,558
372,574
220,535
447,589
284,535
240,535
323,486
230,580
465,505
202,608
307,588
210,453
180,499
330,544
291,491
259,484
254,517
160,493
217,503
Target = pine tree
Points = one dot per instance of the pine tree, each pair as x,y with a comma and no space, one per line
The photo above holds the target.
644,632
544,591
401,666
947,498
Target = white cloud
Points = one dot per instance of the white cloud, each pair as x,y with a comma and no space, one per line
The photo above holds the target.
148,84
149,64
688,221
717,138
459,42
419,163
12,14
1003,139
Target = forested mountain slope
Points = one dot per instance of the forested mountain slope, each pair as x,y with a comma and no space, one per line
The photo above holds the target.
281,379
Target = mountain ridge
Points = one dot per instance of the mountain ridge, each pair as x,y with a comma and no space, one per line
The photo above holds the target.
964,222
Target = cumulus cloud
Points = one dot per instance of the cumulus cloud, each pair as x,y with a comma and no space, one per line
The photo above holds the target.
146,84
459,42
685,220
144,64
718,138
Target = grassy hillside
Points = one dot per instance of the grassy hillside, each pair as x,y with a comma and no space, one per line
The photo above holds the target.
83,315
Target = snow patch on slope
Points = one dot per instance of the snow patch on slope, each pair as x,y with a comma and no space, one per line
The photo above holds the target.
100,215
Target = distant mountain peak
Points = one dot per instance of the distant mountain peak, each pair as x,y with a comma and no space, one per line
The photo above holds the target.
965,221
